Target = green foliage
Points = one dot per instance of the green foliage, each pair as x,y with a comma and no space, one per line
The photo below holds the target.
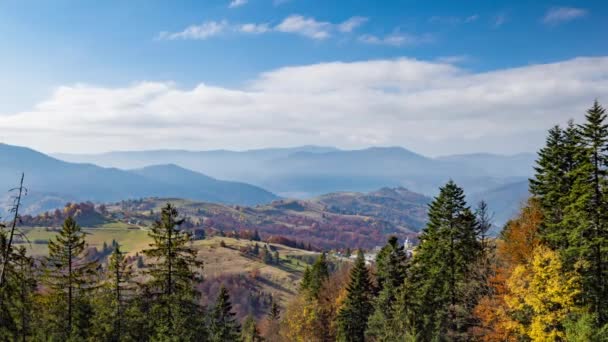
111,320
354,313
315,276
223,325
70,279
434,302
391,267
571,183
173,307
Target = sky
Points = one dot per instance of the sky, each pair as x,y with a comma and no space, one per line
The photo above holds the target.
436,77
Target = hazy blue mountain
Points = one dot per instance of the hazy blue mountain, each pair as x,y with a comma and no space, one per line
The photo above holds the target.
309,171
312,170
51,181
189,184
518,165
504,201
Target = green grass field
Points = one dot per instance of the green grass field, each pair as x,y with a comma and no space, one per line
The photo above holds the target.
131,240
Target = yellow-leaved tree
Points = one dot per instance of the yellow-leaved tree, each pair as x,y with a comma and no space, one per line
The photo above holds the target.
542,296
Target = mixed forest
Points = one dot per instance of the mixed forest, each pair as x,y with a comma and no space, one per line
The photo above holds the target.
544,278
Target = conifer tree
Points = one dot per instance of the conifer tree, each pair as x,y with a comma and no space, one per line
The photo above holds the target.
69,277
17,302
173,277
223,325
354,313
553,181
391,263
434,294
587,214
111,321
314,277
274,313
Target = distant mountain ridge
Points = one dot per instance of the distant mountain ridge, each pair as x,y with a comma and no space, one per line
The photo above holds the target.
52,181
309,171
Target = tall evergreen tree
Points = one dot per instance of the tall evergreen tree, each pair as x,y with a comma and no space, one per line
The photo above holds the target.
223,325
556,171
111,322
69,276
391,266
354,313
173,278
17,304
587,213
434,294
315,276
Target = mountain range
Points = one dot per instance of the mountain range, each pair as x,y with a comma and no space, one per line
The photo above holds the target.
52,182
255,176
309,171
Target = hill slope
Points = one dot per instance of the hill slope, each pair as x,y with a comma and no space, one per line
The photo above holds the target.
53,181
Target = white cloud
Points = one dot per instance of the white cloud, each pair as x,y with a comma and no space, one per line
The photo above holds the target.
559,15
395,39
351,24
295,24
453,20
254,28
197,32
456,59
431,107
237,3
308,27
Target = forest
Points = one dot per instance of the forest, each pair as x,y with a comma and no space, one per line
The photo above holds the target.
544,278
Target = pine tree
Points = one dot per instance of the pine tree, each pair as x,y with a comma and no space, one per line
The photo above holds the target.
223,325
354,313
111,321
587,213
250,331
440,270
553,181
173,277
18,292
275,312
391,266
69,276
256,236
314,277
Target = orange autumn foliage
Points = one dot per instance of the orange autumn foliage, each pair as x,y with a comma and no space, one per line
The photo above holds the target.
515,247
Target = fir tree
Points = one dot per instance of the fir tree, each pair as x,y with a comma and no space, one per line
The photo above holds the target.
586,215
275,312
69,276
434,294
111,321
173,277
318,274
391,263
256,236
223,325
354,313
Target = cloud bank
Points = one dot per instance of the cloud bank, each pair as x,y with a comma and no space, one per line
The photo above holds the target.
432,107
295,24
558,15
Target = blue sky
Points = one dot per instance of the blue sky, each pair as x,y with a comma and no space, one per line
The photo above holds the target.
89,46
